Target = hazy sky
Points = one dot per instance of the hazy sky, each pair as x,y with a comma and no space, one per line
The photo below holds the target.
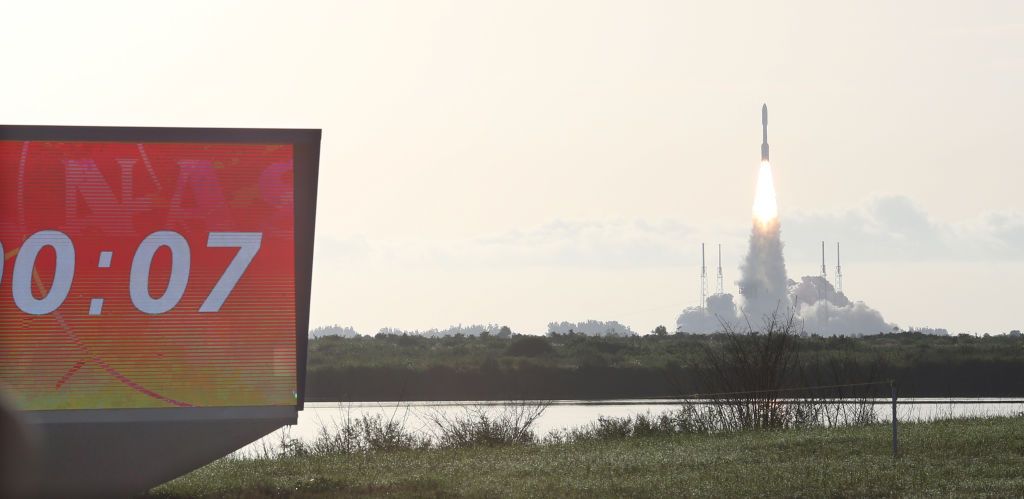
525,162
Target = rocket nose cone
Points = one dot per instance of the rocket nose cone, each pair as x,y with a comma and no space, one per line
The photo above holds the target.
764,114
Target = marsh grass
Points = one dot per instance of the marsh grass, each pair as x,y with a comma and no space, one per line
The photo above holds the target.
511,424
515,424
949,457
347,435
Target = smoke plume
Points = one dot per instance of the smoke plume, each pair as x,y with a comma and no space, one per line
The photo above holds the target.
719,309
763,282
827,312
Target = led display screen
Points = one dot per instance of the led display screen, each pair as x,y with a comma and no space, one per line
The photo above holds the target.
153,274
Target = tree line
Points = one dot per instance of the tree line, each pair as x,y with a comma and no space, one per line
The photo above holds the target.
579,366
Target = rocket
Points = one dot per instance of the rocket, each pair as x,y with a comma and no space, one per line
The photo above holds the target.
764,132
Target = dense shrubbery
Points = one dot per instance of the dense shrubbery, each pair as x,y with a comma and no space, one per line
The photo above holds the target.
585,367
529,346
350,435
652,350
513,424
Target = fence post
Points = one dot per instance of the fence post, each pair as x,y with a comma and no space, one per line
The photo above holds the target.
895,439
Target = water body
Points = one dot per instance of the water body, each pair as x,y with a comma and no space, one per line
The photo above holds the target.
563,414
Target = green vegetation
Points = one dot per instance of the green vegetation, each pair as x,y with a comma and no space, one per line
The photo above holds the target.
574,366
650,351
957,457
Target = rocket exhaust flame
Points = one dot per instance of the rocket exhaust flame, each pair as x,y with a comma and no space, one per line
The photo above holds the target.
766,209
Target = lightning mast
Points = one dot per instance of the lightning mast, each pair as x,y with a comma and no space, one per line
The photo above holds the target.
703,279
839,272
824,279
824,273
721,281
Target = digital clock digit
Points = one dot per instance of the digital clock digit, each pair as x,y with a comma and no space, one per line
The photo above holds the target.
25,275
24,272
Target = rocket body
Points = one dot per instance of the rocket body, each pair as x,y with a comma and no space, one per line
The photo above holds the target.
764,132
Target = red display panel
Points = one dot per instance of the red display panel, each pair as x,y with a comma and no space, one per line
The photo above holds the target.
144,275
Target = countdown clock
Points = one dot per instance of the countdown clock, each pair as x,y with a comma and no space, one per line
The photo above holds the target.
155,268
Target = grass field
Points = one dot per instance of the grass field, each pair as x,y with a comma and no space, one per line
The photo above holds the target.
956,457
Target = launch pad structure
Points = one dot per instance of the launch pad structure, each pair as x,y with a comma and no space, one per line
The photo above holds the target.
721,282
720,276
703,279
839,272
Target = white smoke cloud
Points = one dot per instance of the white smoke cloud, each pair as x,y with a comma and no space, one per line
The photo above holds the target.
763,282
818,307
825,319
825,311
720,309
812,289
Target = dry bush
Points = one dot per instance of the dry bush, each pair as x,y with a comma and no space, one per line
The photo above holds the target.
745,374
757,379
511,424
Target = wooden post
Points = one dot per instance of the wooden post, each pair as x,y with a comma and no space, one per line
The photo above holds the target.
895,437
